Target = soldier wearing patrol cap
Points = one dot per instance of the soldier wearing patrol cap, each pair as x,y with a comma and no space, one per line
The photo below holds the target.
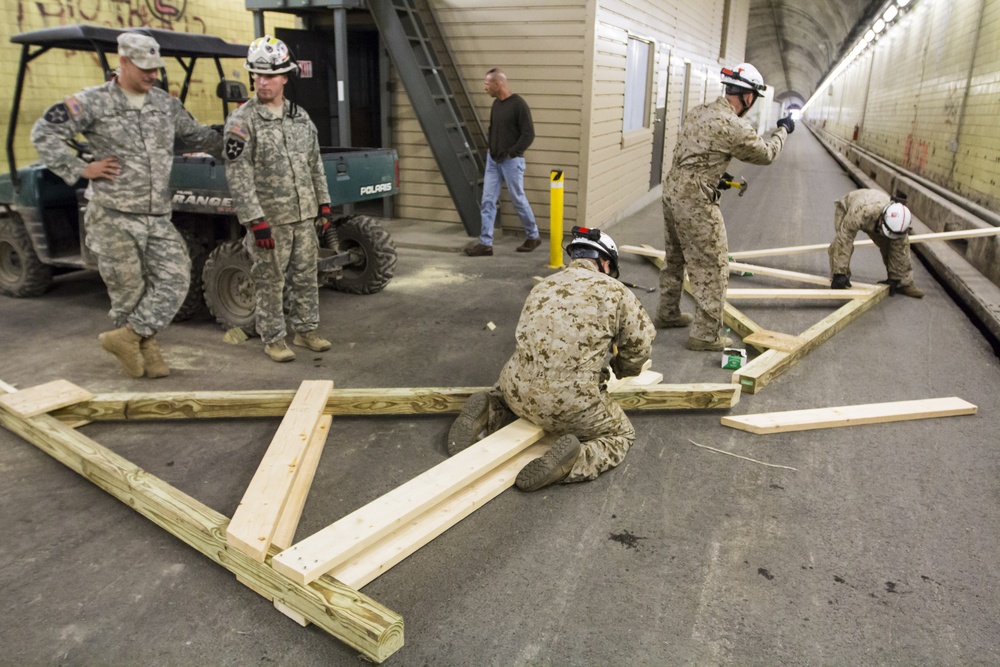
130,126
277,181
695,233
574,325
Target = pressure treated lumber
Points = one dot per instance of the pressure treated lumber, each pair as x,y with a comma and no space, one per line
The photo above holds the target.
771,364
783,293
388,401
850,415
794,276
284,533
348,615
774,340
44,398
256,519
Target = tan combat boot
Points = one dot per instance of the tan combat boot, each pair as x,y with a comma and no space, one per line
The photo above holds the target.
552,467
312,341
124,344
156,367
681,320
911,291
279,351
699,345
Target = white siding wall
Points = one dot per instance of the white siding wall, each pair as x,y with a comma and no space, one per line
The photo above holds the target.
915,103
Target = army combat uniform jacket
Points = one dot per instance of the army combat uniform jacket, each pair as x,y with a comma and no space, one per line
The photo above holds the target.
695,234
564,339
861,210
141,139
274,167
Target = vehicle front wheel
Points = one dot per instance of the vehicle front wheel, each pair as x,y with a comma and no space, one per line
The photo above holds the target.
229,292
21,272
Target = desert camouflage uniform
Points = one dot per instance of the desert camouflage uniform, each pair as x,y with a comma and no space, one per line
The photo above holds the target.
694,231
861,210
141,257
275,173
564,338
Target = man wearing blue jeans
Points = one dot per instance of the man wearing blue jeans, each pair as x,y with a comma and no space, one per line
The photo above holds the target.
511,132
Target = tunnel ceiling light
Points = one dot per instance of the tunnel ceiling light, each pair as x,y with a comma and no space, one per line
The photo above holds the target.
870,35
879,26
890,13
902,3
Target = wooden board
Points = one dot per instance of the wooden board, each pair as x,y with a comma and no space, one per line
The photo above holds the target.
284,533
44,398
779,293
774,340
256,519
793,276
343,612
850,415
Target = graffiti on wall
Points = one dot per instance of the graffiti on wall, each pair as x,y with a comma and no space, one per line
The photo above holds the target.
163,14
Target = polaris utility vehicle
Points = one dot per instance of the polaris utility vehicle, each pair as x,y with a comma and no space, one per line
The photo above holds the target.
41,217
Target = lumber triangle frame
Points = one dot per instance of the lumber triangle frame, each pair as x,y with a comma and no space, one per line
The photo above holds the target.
250,547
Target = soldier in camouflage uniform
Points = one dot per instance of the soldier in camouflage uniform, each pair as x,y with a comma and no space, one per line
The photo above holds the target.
572,325
695,233
277,181
131,127
887,221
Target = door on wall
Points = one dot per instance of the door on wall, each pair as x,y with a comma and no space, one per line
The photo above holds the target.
660,120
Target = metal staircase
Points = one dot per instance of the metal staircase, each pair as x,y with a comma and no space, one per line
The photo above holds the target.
458,150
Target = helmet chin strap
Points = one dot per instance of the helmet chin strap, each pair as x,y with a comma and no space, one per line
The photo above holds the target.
746,107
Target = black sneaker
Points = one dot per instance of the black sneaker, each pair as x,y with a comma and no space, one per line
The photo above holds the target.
471,425
552,467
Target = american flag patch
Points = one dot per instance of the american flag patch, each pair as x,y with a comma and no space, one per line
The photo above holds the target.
73,105
238,131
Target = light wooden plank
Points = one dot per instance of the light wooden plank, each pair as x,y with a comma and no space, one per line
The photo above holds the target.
850,415
284,533
774,340
917,238
256,519
795,276
343,612
771,364
44,398
779,293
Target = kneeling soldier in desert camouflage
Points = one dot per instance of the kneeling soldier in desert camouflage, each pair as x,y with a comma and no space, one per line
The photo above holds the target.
887,221
130,126
569,328
277,180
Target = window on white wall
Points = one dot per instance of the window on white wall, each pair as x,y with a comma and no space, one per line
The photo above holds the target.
638,77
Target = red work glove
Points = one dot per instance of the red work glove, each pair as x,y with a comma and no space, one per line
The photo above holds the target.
262,235
323,219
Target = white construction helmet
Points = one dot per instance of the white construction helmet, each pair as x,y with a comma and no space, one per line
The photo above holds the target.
745,76
592,243
896,220
269,55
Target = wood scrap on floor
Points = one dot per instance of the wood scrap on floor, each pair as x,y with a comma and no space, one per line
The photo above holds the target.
850,415
739,456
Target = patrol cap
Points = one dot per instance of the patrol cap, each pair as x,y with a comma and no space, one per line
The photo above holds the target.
142,50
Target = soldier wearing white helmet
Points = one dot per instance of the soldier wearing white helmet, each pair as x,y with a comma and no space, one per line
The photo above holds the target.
694,231
574,324
278,184
886,220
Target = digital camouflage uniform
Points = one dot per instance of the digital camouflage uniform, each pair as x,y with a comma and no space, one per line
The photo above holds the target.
861,210
140,254
564,339
275,173
694,231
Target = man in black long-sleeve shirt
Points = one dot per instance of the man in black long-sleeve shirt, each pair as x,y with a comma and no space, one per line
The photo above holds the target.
511,132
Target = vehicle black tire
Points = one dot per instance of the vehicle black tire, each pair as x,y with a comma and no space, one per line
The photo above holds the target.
194,302
229,292
22,274
375,256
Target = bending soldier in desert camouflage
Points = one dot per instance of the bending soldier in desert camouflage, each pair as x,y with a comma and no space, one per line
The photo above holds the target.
570,327
887,221
277,181
694,231
130,126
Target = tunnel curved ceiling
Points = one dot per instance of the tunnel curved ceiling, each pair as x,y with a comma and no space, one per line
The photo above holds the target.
796,43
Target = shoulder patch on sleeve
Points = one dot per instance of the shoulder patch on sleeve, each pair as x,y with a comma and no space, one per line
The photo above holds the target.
238,131
57,113
234,146
73,105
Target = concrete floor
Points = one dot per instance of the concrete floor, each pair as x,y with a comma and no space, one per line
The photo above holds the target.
880,548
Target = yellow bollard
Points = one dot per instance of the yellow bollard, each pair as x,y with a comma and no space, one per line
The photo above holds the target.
555,219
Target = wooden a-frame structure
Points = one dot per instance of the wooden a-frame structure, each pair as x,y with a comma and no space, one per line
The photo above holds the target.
316,580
